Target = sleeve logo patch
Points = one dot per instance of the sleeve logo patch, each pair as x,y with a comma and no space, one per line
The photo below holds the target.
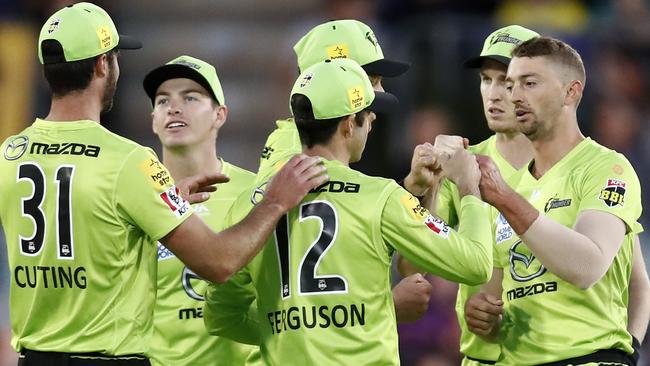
157,174
174,201
412,205
613,194
437,226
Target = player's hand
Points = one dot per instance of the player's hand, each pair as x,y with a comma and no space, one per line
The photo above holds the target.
462,169
492,185
297,177
411,296
448,144
483,313
195,189
425,169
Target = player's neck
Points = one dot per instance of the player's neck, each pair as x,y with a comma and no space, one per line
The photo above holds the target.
330,152
184,162
76,106
549,151
515,148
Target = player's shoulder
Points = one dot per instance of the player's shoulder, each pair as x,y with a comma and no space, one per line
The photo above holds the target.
484,147
237,172
596,156
373,184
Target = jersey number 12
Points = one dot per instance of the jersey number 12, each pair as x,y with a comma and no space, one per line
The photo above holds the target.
308,282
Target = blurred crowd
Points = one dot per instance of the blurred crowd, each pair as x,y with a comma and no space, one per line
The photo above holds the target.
251,42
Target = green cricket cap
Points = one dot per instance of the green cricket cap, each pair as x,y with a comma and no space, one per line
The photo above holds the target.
346,39
78,32
338,88
498,46
185,67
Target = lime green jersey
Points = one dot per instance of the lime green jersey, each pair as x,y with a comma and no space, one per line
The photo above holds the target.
82,209
447,208
282,143
179,337
323,279
545,318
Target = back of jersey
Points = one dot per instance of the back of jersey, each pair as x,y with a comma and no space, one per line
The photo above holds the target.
81,210
323,284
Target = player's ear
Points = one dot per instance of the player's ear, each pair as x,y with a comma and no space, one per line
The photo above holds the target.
220,114
574,92
102,65
346,126
153,124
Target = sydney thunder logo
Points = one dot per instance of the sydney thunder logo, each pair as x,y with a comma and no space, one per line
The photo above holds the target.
16,147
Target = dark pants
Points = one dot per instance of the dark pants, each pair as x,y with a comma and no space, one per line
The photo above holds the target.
36,358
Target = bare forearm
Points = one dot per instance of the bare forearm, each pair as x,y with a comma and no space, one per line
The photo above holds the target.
519,212
240,243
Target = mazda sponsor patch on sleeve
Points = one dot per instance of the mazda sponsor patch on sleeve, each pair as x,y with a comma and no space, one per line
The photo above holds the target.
613,194
175,201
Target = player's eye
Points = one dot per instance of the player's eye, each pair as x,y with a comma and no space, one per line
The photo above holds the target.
161,101
530,83
191,98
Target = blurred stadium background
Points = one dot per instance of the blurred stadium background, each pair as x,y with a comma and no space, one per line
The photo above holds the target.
250,42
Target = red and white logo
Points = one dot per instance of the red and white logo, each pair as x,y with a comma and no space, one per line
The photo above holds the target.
615,183
437,226
176,203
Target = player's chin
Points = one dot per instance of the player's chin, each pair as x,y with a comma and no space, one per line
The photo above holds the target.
502,126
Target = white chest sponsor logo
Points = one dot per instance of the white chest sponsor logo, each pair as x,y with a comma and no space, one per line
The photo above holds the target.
503,229
164,253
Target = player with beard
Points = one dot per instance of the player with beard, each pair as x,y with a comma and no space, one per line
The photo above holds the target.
82,209
566,232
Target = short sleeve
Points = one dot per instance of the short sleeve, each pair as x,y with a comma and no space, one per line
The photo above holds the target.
146,197
611,185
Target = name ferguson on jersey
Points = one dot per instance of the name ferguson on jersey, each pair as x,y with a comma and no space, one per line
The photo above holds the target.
323,316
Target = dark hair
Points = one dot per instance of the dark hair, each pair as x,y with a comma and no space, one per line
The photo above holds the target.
314,131
554,49
66,77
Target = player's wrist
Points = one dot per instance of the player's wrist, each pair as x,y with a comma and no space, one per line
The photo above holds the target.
414,187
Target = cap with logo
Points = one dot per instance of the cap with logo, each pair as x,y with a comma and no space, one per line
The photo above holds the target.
185,67
499,44
338,88
78,32
346,39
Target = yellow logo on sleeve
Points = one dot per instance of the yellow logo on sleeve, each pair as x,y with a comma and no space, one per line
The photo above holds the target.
338,51
357,97
157,174
105,37
412,205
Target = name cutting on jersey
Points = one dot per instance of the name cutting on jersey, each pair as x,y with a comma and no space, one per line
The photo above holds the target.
50,277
